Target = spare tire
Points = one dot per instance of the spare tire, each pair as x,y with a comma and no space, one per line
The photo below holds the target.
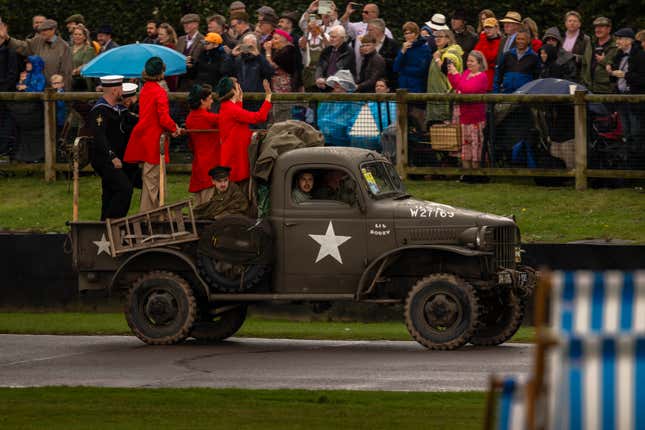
235,253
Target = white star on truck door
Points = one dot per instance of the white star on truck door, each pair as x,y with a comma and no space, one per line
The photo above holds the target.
329,243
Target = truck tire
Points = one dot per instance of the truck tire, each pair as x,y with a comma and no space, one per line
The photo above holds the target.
161,308
442,311
228,277
501,317
222,326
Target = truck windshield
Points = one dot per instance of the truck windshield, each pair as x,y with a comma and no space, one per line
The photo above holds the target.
382,180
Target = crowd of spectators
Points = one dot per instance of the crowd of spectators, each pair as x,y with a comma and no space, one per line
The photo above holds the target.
324,49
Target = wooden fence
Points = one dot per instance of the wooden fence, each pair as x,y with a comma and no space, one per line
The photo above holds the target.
579,100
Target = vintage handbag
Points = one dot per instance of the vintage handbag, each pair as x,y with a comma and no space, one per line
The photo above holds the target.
445,137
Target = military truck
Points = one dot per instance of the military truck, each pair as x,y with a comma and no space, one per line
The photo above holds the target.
457,272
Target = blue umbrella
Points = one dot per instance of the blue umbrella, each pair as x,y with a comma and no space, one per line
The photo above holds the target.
129,61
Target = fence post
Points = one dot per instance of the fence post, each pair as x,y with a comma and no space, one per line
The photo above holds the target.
580,119
50,134
401,133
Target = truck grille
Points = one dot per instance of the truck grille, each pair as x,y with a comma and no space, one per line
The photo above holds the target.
505,239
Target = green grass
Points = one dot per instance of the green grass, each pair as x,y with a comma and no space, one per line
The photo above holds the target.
114,324
110,408
544,214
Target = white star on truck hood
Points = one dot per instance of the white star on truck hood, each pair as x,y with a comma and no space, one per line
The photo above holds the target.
103,244
329,243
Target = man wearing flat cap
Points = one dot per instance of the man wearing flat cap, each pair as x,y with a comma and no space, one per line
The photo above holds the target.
598,55
107,148
464,35
190,44
236,6
56,54
71,22
227,198
104,36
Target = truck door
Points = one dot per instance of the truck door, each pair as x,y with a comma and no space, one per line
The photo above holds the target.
324,246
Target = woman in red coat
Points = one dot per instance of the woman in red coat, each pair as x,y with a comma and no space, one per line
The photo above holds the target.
205,146
488,45
234,126
154,119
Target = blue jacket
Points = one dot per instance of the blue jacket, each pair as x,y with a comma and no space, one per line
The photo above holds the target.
512,72
412,66
35,79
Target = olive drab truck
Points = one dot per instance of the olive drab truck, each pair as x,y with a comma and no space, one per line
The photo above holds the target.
457,272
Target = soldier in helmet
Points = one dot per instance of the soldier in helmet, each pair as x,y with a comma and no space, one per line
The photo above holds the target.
106,152
227,199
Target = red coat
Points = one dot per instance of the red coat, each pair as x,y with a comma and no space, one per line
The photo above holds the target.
154,118
490,49
205,147
236,136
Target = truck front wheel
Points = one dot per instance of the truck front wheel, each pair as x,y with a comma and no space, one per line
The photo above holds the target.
442,311
221,326
502,316
161,308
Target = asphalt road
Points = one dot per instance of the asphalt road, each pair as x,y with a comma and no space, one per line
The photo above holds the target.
124,361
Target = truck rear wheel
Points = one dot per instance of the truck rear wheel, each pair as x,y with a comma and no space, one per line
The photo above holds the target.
219,327
501,317
161,308
442,311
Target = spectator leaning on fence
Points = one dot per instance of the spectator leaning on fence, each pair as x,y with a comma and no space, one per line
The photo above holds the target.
598,55
488,45
49,46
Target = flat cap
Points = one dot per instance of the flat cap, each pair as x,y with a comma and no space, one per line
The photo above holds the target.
266,10
77,18
189,17
48,24
625,32
602,20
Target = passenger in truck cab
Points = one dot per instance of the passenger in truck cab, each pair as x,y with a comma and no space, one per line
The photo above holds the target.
302,187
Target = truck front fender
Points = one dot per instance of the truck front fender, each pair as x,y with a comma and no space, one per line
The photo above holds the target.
388,257
149,254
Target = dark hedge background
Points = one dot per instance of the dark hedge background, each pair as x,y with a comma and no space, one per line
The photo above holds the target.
128,16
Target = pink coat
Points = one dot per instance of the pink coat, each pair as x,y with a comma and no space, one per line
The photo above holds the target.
470,113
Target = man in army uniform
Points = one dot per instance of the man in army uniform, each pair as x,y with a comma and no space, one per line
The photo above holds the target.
227,199
106,152
338,186
303,186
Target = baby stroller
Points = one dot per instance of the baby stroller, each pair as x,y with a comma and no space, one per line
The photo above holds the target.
607,149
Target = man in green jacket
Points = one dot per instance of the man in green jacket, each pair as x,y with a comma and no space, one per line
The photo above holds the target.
597,56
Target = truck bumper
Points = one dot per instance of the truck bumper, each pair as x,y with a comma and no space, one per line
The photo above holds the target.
522,280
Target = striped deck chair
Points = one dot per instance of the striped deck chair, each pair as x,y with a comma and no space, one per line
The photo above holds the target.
597,383
597,302
511,412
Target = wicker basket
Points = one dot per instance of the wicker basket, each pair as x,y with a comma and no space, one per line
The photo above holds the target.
445,137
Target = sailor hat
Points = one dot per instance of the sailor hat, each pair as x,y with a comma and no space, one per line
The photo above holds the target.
129,89
111,81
